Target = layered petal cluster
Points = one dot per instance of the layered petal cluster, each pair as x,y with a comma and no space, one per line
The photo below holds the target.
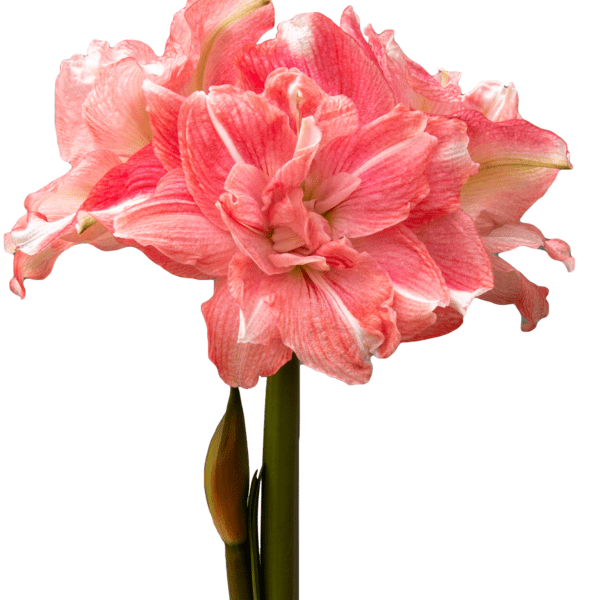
342,199
326,236
105,116
518,162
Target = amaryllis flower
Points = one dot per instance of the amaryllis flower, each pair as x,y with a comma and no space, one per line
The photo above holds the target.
326,236
103,118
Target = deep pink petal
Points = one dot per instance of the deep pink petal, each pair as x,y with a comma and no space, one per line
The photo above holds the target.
518,163
454,244
115,110
73,85
163,108
513,235
329,56
449,167
171,221
336,320
123,186
512,287
239,364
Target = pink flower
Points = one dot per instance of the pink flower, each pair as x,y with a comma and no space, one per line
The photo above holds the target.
326,235
104,116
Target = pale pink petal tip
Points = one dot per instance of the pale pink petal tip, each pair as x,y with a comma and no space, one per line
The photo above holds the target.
560,250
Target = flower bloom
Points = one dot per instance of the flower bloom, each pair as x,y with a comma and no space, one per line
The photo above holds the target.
342,199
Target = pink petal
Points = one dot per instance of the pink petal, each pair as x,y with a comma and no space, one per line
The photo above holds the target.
518,163
221,28
419,285
73,85
513,235
300,97
66,194
253,130
51,210
329,56
412,85
454,244
390,157
205,158
171,221
335,321
239,364
447,320
512,287
163,109
494,100
123,186
449,167
115,110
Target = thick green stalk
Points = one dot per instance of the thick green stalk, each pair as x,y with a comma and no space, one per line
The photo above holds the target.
279,508
239,576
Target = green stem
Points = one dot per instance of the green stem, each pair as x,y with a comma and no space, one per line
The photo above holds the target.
239,576
279,508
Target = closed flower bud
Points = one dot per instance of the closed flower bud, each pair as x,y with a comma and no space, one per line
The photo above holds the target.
227,473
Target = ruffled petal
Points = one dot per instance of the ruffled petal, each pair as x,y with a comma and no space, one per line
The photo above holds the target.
334,321
51,210
171,221
448,169
328,55
76,81
447,319
239,364
518,162
418,282
512,287
454,244
390,157
494,100
115,110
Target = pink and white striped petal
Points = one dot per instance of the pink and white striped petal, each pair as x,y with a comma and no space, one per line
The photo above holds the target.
253,130
518,162
334,321
455,246
328,55
390,157
494,100
171,221
163,107
239,364
123,186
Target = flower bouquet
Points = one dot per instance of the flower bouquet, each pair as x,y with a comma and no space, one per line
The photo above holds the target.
342,199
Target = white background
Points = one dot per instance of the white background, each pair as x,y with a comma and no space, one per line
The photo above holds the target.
467,468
